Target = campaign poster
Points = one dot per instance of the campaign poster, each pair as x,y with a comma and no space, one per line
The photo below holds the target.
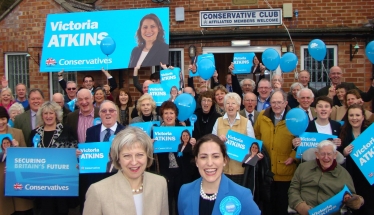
311,140
146,126
363,153
72,41
333,204
167,139
6,142
243,63
239,145
158,93
171,78
41,172
95,157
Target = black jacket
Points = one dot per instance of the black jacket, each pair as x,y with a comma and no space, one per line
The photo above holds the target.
204,122
158,53
335,127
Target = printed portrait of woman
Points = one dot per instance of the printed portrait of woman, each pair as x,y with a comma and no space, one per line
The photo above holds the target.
151,48
5,143
251,158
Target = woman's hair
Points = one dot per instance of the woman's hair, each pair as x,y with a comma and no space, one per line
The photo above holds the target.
347,127
168,105
234,96
207,94
342,86
296,84
130,138
102,90
5,138
141,99
352,92
210,138
129,102
189,134
161,32
10,92
173,87
16,107
219,87
49,106
253,59
255,143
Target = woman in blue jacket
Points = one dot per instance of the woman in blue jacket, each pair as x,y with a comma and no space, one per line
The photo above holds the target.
214,193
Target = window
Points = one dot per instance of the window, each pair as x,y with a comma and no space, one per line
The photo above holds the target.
17,70
319,77
68,76
176,57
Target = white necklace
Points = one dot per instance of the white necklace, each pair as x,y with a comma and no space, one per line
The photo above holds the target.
205,196
138,190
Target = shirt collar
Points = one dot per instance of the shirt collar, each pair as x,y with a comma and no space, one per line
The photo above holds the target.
32,113
91,114
281,116
113,128
226,117
247,113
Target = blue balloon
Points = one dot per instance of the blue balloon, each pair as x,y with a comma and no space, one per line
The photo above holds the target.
107,45
317,49
288,62
369,51
206,68
270,58
10,123
71,105
186,105
96,121
297,121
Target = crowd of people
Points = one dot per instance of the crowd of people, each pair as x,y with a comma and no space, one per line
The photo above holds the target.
199,178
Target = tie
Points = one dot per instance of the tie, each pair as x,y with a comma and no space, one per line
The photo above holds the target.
107,135
307,113
250,118
230,88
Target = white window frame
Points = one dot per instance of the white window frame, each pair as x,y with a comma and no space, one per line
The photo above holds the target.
182,58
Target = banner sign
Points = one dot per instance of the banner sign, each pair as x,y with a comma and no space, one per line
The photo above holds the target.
239,145
6,142
333,204
72,40
168,138
243,63
363,153
41,172
170,78
95,157
250,17
146,126
311,140
158,93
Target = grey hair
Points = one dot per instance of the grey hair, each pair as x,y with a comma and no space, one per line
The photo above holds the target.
234,96
49,106
107,101
129,138
10,93
280,77
16,107
297,84
326,143
71,82
305,89
141,99
248,79
284,95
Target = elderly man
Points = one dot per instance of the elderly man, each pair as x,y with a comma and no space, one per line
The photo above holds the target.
304,78
247,85
27,120
21,95
305,97
270,127
277,82
250,102
335,76
71,91
318,180
264,89
59,99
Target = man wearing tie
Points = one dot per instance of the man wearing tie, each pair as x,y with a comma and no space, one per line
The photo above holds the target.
250,102
305,97
229,83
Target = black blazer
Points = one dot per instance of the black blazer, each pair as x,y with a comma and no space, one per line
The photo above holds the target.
335,127
158,53
93,133
73,118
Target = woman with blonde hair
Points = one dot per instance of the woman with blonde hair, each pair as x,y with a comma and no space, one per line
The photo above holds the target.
146,108
6,98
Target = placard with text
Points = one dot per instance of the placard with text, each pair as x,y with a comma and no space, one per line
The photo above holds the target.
95,157
239,145
311,140
168,138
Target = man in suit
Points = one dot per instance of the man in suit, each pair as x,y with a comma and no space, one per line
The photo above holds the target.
305,97
335,76
250,102
304,78
82,119
27,120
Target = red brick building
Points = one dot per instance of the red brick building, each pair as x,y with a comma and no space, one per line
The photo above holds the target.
339,23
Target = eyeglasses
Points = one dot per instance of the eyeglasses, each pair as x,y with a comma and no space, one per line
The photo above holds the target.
263,88
104,111
73,88
206,101
329,154
88,81
277,103
247,85
249,100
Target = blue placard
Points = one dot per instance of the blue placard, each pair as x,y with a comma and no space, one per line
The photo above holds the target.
72,40
94,157
332,205
363,151
243,63
10,123
311,140
170,78
41,172
158,93
6,141
238,145
146,126
168,138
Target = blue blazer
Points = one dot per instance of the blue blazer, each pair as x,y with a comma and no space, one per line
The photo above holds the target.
189,197
93,133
